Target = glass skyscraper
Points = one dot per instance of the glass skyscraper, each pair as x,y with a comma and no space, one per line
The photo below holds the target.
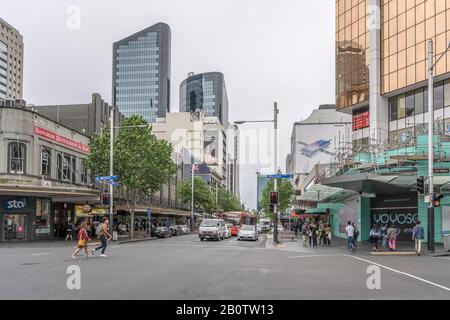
205,92
141,73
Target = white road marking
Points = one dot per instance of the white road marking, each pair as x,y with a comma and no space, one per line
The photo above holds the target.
41,254
315,255
400,272
445,258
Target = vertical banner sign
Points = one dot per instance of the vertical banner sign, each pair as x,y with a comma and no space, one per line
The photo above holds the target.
211,147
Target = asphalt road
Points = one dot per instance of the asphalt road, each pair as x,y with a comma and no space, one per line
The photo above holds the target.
185,268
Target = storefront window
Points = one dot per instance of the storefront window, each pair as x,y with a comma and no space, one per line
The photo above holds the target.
43,217
16,161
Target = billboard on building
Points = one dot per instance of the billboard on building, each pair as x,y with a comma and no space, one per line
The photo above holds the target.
316,143
211,147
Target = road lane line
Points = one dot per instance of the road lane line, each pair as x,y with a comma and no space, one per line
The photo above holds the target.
41,254
314,255
400,272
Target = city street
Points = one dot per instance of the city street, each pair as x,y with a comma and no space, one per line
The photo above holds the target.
185,268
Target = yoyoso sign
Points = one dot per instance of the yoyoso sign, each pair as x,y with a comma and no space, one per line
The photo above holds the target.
403,220
15,204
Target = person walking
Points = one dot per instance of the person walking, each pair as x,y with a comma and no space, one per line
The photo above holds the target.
418,234
69,231
383,236
305,233
314,235
83,240
374,236
350,230
326,235
355,236
392,237
103,234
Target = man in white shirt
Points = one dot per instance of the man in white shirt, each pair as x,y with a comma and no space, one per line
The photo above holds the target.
350,234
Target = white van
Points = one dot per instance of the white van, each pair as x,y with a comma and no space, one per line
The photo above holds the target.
212,229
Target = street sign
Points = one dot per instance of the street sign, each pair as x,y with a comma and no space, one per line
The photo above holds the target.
106,178
114,183
280,176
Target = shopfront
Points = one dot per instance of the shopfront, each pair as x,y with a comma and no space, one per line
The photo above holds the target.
24,218
399,211
91,215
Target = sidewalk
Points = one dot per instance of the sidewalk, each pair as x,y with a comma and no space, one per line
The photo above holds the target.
339,246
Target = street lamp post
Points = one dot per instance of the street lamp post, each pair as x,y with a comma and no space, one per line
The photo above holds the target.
430,213
275,183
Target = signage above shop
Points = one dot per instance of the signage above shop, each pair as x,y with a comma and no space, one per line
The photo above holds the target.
361,120
15,204
61,140
441,170
80,211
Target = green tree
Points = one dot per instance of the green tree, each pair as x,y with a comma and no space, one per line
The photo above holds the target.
286,191
227,201
143,162
203,196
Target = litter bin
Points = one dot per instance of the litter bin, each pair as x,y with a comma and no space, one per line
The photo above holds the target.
115,236
446,240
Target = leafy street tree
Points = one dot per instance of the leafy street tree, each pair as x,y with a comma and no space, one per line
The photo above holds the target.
143,162
227,201
286,191
203,196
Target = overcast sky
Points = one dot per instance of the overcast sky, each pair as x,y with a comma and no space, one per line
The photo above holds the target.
268,50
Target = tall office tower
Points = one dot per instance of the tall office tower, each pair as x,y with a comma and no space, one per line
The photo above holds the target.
11,62
141,73
381,67
205,92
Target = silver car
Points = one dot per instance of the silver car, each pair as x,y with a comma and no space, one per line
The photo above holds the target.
248,232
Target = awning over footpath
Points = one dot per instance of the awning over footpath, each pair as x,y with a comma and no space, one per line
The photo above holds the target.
321,193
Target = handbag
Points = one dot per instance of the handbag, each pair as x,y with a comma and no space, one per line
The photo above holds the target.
81,243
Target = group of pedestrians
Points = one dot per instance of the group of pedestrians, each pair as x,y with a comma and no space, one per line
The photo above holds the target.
83,238
316,233
386,235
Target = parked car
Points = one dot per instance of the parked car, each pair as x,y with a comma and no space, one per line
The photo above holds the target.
186,229
212,229
174,230
234,231
227,233
163,232
248,232
180,230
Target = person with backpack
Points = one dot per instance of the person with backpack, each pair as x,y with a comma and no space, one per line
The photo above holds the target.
83,240
375,236
305,233
418,234
102,232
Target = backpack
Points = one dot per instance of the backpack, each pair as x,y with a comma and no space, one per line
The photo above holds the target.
356,233
98,231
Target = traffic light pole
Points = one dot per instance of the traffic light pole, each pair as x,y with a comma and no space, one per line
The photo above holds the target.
430,238
111,187
275,181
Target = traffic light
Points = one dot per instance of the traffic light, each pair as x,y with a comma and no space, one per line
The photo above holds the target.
421,185
274,198
105,199
437,200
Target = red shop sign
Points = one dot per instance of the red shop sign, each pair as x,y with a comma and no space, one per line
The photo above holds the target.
361,120
61,140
